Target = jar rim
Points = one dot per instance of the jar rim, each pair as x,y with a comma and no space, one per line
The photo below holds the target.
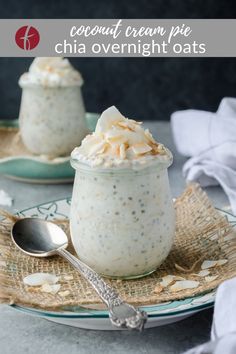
151,165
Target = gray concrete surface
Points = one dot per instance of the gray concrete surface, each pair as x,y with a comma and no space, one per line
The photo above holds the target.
21,333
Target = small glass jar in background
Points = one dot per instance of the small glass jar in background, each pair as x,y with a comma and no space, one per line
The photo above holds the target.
122,222
52,118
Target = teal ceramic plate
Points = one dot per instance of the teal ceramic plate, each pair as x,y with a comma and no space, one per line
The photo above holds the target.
35,169
158,315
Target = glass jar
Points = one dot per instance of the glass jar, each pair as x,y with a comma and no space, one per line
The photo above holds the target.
122,222
52,119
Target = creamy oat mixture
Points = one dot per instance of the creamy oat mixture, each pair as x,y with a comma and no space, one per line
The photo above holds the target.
122,216
52,113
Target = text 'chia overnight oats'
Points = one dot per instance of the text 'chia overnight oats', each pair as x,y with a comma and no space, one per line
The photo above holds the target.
122,216
52,114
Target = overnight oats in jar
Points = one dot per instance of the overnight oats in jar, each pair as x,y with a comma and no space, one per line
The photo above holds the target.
122,218
52,114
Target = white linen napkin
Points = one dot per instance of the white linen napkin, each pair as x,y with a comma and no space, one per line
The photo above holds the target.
223,332
210,139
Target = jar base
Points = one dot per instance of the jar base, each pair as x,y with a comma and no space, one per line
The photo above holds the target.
130,277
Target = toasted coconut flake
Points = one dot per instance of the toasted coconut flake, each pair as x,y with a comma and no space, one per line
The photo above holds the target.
141,148
211,278
64,293
167,280
202,273
122,151
118,139
161,149
211,264
33,289
37,279
184,284
149,136
98,148
3,264
221,262
68,277
53,288
127,125
135,122
208,264
158,289
170,279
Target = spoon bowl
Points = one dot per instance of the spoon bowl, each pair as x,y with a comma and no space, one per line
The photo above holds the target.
38,238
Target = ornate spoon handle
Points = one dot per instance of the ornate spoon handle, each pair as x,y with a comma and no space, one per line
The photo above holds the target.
121,314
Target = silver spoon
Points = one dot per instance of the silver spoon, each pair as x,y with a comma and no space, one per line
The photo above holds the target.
40,238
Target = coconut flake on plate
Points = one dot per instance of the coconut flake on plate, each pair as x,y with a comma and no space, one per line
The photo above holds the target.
64,293
169,279
221,262
202,273
158,289
211,264
183,285
37,279
211,278
50,288
68,277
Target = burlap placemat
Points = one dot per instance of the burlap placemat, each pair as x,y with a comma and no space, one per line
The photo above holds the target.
11,143
202,233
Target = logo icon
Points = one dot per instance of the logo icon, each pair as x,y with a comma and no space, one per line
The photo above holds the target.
27,37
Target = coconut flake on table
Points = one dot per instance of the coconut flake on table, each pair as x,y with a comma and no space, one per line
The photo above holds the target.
38,279
5,199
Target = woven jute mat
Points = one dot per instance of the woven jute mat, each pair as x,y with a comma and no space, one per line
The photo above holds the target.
202,233
11,143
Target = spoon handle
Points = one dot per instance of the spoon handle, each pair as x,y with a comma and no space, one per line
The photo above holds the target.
121,314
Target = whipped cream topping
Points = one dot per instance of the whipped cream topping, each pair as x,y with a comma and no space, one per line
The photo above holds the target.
51,72
119,142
